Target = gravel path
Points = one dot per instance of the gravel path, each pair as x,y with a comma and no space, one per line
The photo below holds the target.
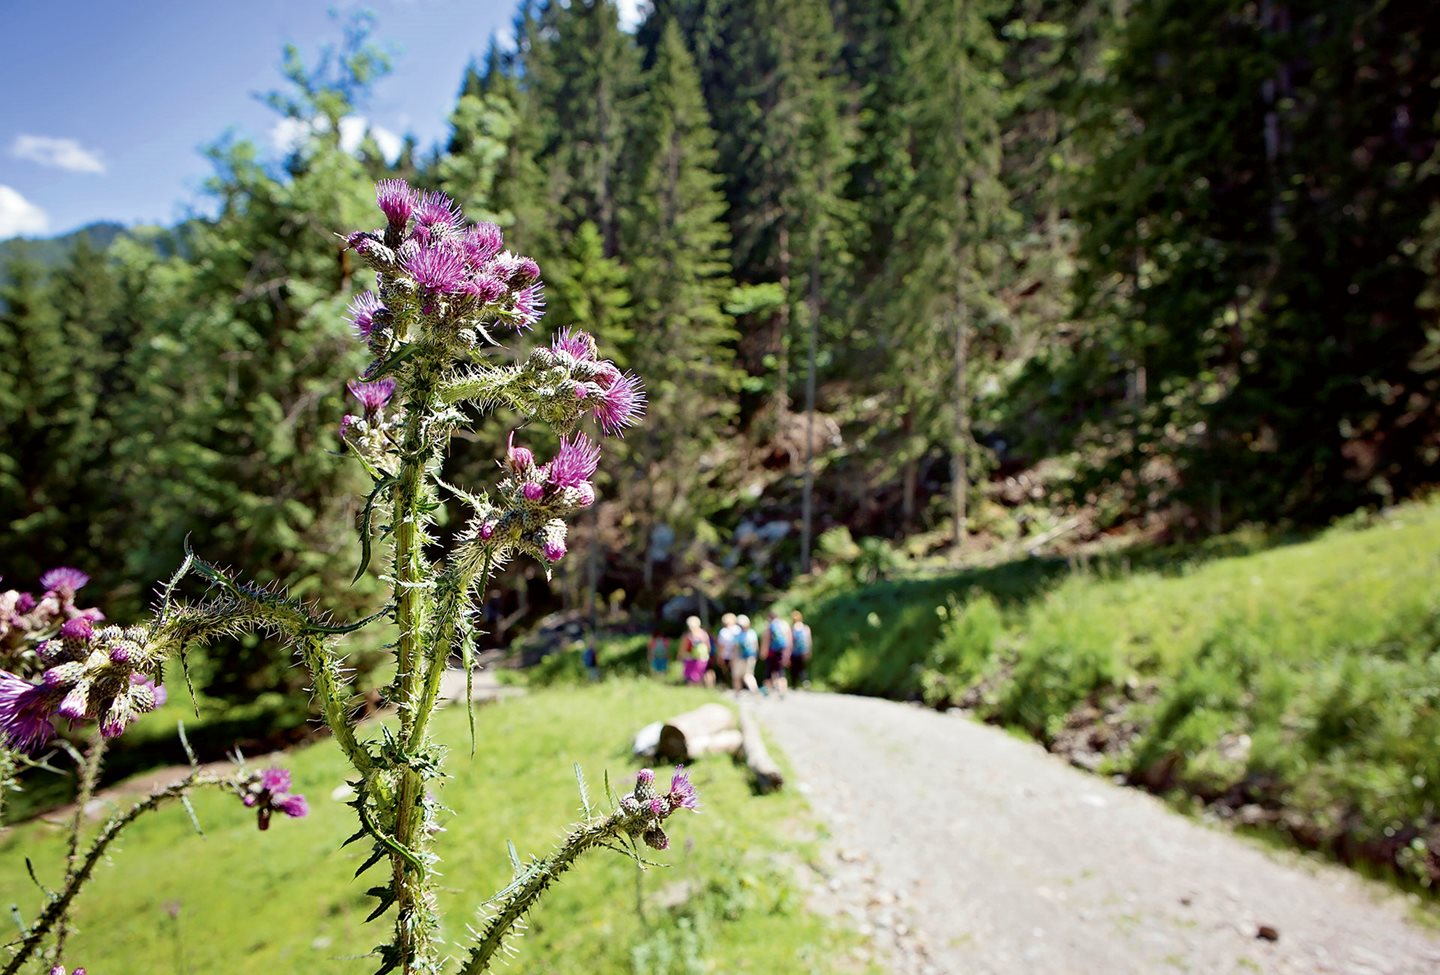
963,850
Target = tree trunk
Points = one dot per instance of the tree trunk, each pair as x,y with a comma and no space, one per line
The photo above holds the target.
960,470
812,340
691,734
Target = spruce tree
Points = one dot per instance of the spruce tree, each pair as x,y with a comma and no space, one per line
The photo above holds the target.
674,236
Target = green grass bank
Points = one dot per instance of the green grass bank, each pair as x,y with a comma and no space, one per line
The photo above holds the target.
242,901
1291,685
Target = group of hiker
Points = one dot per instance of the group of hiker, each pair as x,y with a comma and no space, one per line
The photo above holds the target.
772,659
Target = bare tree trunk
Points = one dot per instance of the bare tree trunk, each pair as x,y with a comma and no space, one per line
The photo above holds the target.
812,340
782,332
960,470
910,474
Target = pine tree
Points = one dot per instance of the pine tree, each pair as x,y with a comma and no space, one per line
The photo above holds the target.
674,236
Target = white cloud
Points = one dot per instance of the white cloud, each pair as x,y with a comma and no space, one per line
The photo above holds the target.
631,13
19,216
66,154
289,134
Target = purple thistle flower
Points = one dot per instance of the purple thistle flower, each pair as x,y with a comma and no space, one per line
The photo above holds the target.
533,491
25,711
526,272
519,458
530,305
64,580
645,776
396,199
482,242
362,312
576,461
554,549
621,405
578,344
24,603
659,808
78,629
485,289
487,530
60,970
293,806
436,212
372,396
682,790
438,268
275,780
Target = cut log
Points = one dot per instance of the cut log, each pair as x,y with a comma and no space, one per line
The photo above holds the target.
681,736
727,742
757,758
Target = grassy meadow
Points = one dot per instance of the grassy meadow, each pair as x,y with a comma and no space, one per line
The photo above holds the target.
242,901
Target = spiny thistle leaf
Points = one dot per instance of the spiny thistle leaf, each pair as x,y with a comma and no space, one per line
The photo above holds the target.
365,519
584,790
386,895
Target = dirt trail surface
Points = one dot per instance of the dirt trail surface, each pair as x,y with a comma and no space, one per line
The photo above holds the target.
963,850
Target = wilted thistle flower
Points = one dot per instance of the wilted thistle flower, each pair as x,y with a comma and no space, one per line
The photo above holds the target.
268,792
362,312
575,462
372,396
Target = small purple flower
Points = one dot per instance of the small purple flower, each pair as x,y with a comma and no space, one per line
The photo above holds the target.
24,603
269,792
645,776
484,289
361,241
586,491
78,629
64,580
576,461
682,790
437,213
396,199
438,268
25,711
60,970
362,312
554,549
530,305
487,530
533,491
578,344
372,396
526,272
622,405
659,808
519,458
482,242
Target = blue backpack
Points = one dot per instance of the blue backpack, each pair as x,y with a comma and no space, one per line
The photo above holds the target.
802,640
779,636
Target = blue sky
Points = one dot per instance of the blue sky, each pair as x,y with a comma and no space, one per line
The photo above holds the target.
108,103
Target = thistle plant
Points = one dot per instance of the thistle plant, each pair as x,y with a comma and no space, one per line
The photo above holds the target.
448,294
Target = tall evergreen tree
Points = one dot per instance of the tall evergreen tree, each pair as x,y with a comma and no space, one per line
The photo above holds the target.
674,236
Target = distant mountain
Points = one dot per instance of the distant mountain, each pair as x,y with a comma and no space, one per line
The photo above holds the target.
49,252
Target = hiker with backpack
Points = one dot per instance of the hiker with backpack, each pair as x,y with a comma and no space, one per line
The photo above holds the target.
695,652
749,651
775,648
801,643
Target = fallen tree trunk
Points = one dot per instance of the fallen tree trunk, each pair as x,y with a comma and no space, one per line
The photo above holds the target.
757,758
698,732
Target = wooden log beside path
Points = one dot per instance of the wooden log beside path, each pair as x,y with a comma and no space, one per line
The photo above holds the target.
757,757
704,731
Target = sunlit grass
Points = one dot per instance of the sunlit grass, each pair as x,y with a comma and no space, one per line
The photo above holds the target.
285,900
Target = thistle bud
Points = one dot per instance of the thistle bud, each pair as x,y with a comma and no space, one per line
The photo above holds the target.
533,491
520,459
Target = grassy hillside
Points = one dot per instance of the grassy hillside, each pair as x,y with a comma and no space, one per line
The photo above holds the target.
285,900
1296,685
